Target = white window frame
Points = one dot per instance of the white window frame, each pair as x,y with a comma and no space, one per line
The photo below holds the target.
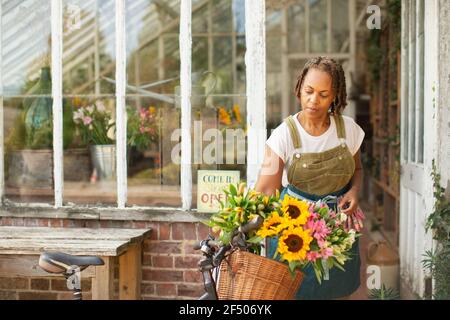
255,60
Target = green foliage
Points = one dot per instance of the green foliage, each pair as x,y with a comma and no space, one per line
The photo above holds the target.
383,294
439,219
374,54
143,127
437,262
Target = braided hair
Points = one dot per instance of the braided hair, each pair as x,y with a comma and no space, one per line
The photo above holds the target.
334,69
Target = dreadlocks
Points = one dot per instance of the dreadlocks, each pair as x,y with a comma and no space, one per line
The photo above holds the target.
334,69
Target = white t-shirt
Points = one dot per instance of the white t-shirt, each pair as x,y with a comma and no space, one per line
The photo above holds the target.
280,140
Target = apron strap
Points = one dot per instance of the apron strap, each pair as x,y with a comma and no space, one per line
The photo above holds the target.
294,133
340,126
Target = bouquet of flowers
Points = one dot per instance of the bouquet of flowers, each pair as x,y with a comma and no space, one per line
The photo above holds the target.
143,127
94,123
306,233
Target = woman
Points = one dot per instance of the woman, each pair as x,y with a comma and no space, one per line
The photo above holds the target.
315,153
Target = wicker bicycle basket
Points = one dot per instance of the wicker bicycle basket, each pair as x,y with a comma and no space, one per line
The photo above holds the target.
247,276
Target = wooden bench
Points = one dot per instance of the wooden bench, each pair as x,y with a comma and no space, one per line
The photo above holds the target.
20,248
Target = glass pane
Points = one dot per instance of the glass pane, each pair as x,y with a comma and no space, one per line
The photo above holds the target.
421,58
273,20
90,151
219,139
89,65
27,101
412,87
218,91
89,47
153,135
296,28
318,25
221,15
339,25
199,18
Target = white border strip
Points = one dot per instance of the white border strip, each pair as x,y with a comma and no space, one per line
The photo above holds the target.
2,132
185,83
255,61
121,116
57,32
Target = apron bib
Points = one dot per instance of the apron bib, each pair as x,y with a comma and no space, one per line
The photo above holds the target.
322,176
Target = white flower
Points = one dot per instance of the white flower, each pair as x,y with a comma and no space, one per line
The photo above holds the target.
342,217
100,106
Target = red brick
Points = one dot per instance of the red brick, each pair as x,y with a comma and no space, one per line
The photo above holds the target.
154,226
40,284
18,222
186,262
105,223
202,231
58,285
183,231
8,295
70,223
69,295
44,222
36,295
55,223
162,247
147,288
188,247
162,262
31,222
164,231
94,224
146,260
6,221
166,289
162,275
61,285
66,295
190,290
139,224
193,276
13,283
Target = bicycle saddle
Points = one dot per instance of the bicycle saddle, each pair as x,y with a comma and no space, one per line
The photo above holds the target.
58,262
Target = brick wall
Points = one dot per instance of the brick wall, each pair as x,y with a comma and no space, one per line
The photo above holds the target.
169,264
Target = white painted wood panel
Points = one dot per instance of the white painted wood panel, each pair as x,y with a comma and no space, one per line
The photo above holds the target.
186,91
255,61
57,30
121,114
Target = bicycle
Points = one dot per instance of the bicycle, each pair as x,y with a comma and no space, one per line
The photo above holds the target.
70,266
214,253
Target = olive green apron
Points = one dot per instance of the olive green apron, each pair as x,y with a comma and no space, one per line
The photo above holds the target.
320,173
322,176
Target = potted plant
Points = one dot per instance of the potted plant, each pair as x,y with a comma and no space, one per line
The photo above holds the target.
96,128
29,146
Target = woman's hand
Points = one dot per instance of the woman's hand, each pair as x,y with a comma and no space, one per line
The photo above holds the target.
349,202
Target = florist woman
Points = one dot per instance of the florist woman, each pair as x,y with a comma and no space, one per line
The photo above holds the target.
315,155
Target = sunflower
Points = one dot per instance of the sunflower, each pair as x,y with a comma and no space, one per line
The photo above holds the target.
272,226
295,209
294,244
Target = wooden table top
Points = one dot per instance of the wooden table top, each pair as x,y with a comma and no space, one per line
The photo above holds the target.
78,241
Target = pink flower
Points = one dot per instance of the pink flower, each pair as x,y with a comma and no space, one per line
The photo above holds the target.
142,129
326,252
312,256
87,120
319,228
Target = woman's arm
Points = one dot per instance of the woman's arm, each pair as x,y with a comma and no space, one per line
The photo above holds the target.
351,196
269,179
